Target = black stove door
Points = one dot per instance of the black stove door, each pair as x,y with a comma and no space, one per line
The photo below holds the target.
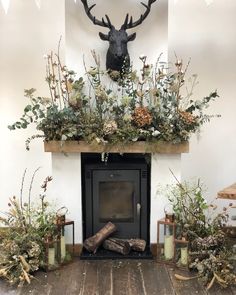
116,198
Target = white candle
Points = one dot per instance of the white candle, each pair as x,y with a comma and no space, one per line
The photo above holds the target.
51,256
63,247
184,256
169,247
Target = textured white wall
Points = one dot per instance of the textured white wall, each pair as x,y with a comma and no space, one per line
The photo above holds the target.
204,33
207,34
26,34
82,35
160,177
66,187
66,171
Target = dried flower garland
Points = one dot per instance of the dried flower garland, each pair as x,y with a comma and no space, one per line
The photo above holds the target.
149,106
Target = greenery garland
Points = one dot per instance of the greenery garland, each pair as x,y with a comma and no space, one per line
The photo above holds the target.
148,107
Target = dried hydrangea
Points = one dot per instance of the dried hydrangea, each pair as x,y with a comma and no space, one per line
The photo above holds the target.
34,250
100,93
142,116
187,117
109,127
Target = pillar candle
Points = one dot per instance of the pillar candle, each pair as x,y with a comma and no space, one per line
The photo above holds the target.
184,256
63,247
169,247
51,256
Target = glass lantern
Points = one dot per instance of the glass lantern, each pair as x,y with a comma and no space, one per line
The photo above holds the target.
181,253
52,254
166,241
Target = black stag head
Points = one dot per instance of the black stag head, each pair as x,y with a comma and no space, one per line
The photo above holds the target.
117,55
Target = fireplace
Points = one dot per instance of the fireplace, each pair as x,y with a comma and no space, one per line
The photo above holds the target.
68,171
116,191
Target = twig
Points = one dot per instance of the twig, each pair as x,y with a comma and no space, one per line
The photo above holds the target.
21,189
183,278
30,189
211,283
185,191
59,71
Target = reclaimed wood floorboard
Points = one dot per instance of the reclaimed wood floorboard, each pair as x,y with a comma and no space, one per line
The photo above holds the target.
75,277
191,287
106,277
90,286
156,279
135,280
218,290
120,270
105,286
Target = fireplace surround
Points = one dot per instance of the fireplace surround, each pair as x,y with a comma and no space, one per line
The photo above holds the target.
67,187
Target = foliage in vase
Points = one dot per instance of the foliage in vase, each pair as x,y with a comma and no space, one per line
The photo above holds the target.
148,106
22,244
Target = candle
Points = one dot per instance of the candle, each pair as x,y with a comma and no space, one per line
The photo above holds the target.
184,256
63,247
51,256
169,247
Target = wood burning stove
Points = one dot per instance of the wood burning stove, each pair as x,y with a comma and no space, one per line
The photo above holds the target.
117,191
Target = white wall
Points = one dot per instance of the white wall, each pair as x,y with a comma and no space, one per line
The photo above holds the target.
26,34
204,33
82,35
66,186
207,34
161,164
66,171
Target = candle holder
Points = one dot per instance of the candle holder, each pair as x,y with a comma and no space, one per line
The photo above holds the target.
166,231
66,255
61,215
52,259
169,214
182,253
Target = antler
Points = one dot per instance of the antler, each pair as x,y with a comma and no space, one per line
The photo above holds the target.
129,24
102,22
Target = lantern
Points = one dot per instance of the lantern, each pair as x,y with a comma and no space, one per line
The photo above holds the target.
181,253
53,253
166,230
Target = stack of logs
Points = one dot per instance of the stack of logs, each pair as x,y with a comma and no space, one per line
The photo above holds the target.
122,246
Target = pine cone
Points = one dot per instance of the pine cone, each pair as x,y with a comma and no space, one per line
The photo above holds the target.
142,117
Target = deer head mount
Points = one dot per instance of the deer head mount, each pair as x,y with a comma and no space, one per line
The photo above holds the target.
117,58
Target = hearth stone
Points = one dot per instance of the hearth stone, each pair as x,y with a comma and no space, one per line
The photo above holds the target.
106,254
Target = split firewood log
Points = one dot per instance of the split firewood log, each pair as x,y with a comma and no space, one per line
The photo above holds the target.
116,245
92,243
135,244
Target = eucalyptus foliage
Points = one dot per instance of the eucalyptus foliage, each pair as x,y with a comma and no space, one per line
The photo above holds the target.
147,106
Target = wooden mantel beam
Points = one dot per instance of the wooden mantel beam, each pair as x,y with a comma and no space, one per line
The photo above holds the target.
228,192
135,147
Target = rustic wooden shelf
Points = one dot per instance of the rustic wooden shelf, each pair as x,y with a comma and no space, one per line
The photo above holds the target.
135,147
228,193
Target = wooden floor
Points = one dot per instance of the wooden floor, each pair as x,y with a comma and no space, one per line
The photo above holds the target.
111,278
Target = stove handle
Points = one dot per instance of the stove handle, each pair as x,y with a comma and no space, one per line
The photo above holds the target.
138,210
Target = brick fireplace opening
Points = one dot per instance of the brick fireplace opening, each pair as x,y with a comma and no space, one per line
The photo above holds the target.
117,191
